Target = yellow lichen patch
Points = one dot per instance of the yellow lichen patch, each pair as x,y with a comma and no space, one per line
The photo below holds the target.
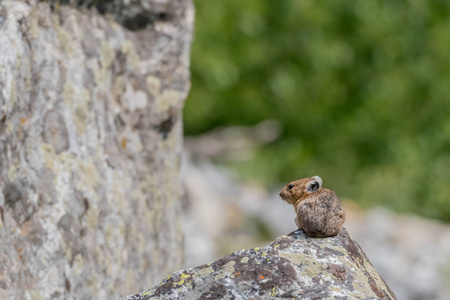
36,295
256,249
28,76
185,276
276,246
101,75
244,260
168,99
119,85
310,266
106,55
49,155
78,264
274,291
65,161
66,249
81,111
119,184
34,24
334,288
4,294
64,37
12,95
226,270
153,85
69,95
8,127
12,173
203,273
180,282
296,258
92,217
78,105
133,57
88,176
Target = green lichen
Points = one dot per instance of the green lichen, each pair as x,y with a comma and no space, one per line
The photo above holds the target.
106,55
153,85
226,270
49,156
78,264
34,24
168,98
4,293
13,94
12,173
78,104
36,295
119,85
129,50
296,258
309,264
64,37
88,176
203,272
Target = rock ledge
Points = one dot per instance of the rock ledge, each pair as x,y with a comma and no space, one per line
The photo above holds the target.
293,266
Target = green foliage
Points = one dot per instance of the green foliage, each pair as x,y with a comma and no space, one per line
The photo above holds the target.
361,89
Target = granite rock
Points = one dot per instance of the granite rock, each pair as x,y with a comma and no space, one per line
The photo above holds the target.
293,266
91,97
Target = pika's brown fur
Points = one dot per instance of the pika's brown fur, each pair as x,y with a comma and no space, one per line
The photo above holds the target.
319,211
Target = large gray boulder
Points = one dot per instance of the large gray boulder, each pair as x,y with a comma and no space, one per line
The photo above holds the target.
91,94
292,267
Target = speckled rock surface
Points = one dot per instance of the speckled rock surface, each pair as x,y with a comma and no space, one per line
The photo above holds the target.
292,267
91,94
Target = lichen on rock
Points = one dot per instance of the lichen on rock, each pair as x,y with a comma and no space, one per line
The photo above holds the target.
90,143
293,266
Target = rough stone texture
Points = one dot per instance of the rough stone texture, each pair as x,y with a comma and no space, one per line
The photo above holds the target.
291,267
91,94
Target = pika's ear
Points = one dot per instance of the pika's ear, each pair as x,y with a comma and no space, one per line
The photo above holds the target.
314,185
318,179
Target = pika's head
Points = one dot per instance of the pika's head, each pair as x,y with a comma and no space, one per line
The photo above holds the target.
301,189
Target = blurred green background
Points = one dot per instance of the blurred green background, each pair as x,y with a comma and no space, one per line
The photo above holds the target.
361,89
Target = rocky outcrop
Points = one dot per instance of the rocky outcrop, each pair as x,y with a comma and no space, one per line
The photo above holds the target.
91,94
292,267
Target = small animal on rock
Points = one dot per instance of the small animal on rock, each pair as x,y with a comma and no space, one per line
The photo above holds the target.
319,211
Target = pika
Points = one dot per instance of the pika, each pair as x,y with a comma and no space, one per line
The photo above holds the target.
319,211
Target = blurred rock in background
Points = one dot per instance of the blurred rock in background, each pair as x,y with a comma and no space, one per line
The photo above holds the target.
223,215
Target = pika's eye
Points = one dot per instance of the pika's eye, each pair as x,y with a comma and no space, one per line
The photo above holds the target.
291,186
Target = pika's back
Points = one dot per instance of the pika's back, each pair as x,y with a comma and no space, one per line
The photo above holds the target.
319,211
